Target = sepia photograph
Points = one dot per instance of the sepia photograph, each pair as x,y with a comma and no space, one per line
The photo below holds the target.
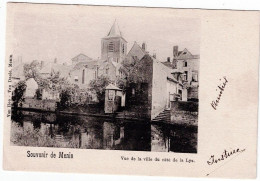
130,90
96,80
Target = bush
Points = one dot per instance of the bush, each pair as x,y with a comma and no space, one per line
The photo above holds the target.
18,94
34,138
98,86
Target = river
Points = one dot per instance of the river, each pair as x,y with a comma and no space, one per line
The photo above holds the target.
85,132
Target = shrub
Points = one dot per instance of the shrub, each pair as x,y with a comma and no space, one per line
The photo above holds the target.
18,94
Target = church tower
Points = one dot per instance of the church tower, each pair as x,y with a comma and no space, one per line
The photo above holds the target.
113,46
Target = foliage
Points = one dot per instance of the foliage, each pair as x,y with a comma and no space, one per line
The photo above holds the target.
18,93
38,94
97,86
65,98
131,69
28,137
31,70
54,83
121,83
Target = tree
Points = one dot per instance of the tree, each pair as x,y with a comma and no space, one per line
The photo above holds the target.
97,86
65,98
38,94
18,93
131,69
31,70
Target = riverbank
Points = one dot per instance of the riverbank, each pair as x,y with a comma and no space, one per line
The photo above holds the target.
80,112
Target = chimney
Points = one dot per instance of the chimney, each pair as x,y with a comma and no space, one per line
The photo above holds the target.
144,46
168,59
175,51
55,60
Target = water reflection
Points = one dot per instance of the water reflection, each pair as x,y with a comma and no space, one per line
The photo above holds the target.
56,130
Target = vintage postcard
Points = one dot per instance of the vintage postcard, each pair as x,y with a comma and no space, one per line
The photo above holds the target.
131,90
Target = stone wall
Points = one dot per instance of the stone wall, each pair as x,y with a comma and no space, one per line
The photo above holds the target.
193,93
184,113
45,105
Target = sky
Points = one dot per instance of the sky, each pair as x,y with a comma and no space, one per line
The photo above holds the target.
46,32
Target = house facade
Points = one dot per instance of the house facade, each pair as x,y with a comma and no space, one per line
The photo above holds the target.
83,72
155,88
185,66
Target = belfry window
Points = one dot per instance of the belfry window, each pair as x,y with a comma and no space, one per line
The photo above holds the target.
123,48
111,47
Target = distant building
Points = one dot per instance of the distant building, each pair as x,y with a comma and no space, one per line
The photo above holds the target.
83,72
136,52
185,66
109,69
47,69
113,52
187,63
81,58
161,82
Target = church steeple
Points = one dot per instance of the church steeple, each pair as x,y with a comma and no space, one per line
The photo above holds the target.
114,30
113,46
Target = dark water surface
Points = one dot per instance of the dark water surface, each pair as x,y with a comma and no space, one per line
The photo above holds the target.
57,130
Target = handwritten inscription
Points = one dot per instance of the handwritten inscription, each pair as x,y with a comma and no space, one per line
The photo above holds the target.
221,89
226,154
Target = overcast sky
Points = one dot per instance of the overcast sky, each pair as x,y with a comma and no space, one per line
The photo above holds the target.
62,32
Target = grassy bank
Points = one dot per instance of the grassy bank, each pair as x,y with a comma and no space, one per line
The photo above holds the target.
21,136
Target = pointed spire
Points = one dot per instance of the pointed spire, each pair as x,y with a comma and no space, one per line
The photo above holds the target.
114,31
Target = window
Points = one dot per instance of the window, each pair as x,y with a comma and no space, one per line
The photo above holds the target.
195,77
133,92
123,48
83,76
185,75
116,60
185,64
180,93
76,78
111,94
134,57
120,74
111,47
